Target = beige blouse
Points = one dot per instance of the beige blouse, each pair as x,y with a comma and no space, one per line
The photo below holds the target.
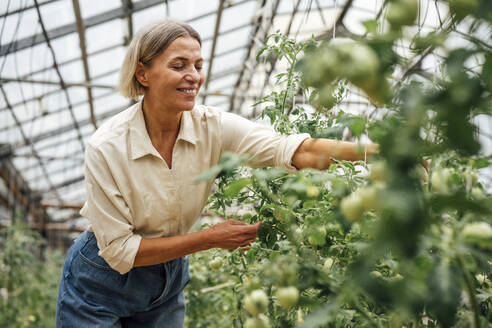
131,192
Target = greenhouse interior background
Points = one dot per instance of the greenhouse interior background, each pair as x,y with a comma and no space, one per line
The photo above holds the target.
59,73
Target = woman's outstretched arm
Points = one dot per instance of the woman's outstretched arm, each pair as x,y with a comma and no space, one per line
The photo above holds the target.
319,153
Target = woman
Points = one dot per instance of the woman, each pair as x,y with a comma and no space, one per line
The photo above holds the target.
130,268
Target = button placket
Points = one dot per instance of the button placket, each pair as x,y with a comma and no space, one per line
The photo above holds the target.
175,173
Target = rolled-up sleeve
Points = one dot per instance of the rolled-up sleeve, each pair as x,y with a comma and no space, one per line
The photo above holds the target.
109,214
261,142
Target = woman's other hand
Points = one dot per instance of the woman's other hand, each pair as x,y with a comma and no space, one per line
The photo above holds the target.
232,234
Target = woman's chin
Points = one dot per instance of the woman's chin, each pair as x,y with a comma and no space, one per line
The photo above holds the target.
188,107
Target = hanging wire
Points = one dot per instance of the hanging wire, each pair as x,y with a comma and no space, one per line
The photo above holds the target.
62,82
14,37
4,20
334,20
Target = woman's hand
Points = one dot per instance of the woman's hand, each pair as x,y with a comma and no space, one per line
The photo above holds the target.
231,234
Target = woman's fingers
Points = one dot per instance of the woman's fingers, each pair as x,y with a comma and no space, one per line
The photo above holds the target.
232,234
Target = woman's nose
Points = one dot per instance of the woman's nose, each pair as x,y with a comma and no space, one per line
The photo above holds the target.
193,76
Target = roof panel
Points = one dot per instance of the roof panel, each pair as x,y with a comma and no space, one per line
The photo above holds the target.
106,61
102,35
19,26
57,14
33,58
88,9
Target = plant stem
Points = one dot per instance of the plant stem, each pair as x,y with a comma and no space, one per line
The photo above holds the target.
471,295
364,313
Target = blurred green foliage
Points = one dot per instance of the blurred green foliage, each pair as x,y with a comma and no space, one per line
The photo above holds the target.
28,282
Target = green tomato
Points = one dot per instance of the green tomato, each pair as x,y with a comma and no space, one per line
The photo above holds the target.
252,283
318,237
376,274
362,67
325,97
471,177
369,197
256,302
463,8
261,321
328,263
481,278
479,233
312,192
352,207
297,233
321,67
440,180
396,278
379,172
215,264
402,12
287,297
282,214
476,192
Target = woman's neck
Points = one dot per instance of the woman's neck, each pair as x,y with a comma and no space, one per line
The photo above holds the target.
160,122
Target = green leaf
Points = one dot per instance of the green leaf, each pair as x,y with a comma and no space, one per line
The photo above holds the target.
209,174
483,296
262,50
235,187
460,202
319,317
480,163
371,26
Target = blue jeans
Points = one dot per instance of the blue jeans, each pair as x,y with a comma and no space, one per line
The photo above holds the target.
92,294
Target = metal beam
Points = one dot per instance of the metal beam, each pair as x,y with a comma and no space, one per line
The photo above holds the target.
19,188
72,28
67,97
74,84
64,30
267,10
74,206
83,50
64,184
70,61
53,158
52,92
273,61
338,23
69,127
34,180
127,6
320,10
86,84
58,110
17,11
212,50
26,140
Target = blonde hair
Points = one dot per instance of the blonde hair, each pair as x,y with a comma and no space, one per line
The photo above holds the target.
147,44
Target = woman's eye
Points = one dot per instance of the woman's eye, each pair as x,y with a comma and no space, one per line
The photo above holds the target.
199,68
178,67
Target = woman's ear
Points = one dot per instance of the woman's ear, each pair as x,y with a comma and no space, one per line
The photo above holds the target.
141,74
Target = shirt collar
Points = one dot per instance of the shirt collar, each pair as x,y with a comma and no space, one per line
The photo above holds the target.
140,143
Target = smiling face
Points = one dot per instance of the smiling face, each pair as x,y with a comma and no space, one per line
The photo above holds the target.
173,78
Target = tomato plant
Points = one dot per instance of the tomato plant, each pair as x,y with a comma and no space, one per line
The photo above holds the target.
364,245
28,283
